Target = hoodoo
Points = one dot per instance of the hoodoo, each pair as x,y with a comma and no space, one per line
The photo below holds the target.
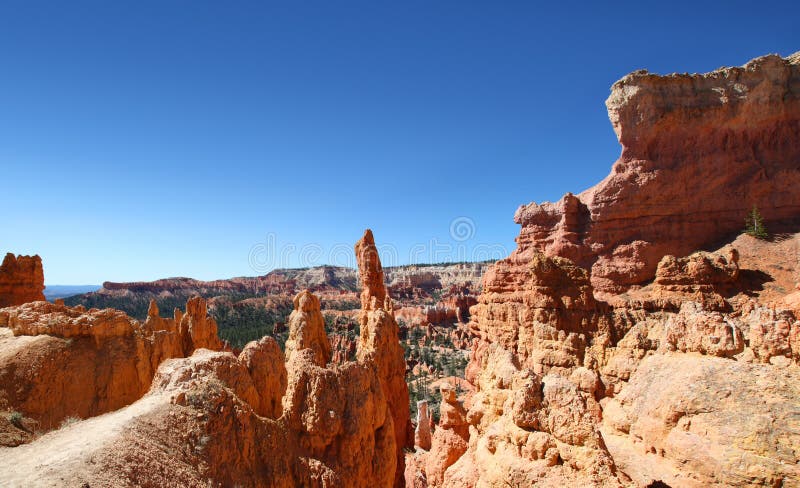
21,280
379,343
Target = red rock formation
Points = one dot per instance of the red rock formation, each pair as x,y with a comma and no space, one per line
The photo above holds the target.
379,344
459,299
694,330
343,423
529,429
198,329
700,272
539,308
666,193
264,360
771,333
307,329
68,362
370,273
450,439
422,431
343,348
252,420
694,421
547,352
21,280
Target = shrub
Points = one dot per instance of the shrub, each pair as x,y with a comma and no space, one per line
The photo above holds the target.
16,419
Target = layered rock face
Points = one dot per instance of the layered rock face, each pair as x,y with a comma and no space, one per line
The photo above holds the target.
541,309
534,414
607,352
21,280
698,152
58,362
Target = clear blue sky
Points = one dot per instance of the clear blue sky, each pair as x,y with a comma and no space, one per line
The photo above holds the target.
141,140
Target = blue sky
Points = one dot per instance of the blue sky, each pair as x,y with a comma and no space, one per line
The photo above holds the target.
141,140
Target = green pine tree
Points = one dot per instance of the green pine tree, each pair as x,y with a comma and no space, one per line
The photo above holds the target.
754,224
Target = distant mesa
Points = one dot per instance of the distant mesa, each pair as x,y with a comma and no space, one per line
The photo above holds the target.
51,292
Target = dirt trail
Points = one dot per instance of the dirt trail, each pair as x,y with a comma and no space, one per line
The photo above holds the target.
56,457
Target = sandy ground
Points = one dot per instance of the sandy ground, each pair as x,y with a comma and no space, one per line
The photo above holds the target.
50,459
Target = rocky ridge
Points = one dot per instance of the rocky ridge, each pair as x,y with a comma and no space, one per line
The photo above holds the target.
609,351
59,362
259,418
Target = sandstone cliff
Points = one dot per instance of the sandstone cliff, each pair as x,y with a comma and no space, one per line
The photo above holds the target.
698,152
607,351
21,280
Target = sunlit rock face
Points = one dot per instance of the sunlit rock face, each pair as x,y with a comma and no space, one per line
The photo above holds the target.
698,152
264,418
607,349
58,362
379,344
21,280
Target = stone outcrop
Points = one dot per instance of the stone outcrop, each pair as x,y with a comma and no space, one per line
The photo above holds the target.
264,361
608,351
699,272
262,419
379,344
340,417
370,274
58,362
533,416
772,334
450,439
694,421
307,329
704,277
666,194
694,330
198,425
21,280
540,309
197,327
422,431
528,429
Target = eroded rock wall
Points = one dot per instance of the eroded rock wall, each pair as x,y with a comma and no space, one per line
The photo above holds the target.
606,349
698,152
21,280
58,362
